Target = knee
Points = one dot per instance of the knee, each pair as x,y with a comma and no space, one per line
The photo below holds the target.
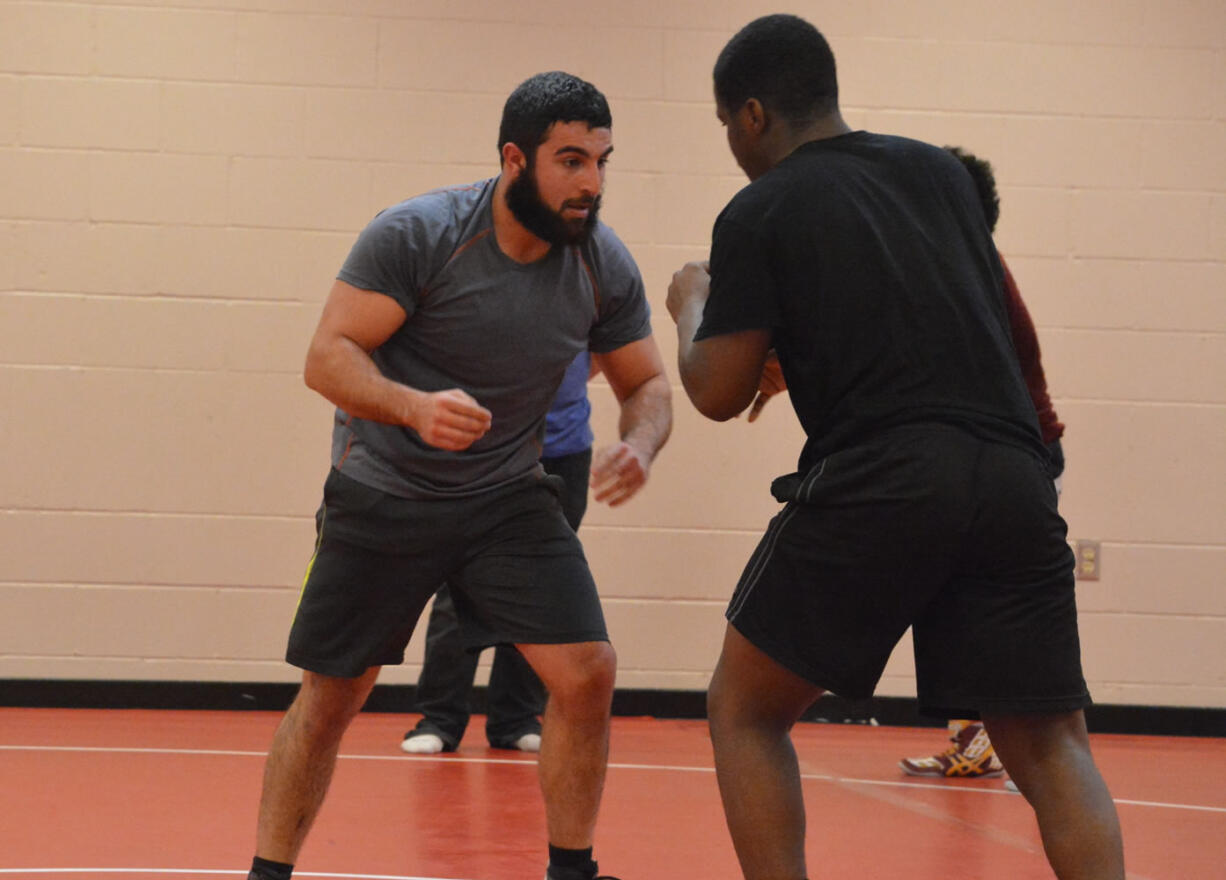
588,676
325,706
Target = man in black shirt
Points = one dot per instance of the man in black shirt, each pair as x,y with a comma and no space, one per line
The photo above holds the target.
921,499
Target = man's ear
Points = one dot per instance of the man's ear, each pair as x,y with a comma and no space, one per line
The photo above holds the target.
755,115
513,159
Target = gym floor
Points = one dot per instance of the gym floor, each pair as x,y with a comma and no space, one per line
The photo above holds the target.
121,795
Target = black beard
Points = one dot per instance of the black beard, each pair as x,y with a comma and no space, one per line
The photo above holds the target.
527,206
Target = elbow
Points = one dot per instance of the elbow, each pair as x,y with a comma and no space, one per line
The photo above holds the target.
712,402
313,370
717,412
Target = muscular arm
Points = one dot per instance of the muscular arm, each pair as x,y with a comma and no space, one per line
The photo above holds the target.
635,372
338,365
721,373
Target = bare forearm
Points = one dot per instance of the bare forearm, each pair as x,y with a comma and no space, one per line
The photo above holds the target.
345,374
647,416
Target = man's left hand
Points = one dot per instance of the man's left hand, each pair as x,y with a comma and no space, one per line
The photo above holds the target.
618,472
690,286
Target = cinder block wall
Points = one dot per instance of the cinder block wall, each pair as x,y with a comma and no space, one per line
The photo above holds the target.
180,180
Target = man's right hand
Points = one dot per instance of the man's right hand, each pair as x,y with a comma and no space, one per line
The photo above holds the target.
771,383
449,419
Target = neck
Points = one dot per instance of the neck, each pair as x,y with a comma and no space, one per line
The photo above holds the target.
513,238
787,139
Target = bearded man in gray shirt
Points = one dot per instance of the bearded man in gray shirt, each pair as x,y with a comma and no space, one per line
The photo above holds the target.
442,343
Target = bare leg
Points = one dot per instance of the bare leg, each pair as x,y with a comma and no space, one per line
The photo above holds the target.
1048,756
301,760
752,705
574,736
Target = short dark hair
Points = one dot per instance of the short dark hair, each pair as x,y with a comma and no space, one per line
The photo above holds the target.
540,101
785,63
985,183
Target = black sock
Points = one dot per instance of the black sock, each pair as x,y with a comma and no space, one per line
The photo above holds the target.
572,859
262,869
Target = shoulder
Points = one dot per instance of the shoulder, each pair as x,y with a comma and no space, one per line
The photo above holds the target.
434,214
608,255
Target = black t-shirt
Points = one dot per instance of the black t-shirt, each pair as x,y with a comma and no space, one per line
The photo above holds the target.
868,258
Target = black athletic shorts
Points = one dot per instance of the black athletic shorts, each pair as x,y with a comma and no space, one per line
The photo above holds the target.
932,528
515,568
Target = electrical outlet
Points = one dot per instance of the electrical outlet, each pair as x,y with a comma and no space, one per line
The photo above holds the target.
1089,560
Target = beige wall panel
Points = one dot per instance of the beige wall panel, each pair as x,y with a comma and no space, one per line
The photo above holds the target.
1141,366
45,184
629,207
1122,294
688,205
264,264
1200,23
156,549
689,58
1047,79
403,126
679,636
46,38
665,564
1153,649
157,188
1183,156
141,333
119,258
1038,151
142,669
439,55
393,182
171,623
660,137
710,475
106,114
298,194
1036,221
1190,696
306,49
1145,225
1167,580
174,442
1217,228
9,237
233,119
10,90
165,43
1144,473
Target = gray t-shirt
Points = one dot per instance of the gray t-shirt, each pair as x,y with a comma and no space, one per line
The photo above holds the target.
502,331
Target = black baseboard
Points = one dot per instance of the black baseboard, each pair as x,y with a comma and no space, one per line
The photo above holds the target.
893,711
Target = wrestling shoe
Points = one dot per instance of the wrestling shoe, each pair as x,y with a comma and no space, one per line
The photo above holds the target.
970,755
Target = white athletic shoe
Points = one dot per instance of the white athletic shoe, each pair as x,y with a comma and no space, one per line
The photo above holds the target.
529,742
422,744
1010,785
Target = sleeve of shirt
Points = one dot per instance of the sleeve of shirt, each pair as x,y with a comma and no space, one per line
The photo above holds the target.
743,293
385,259
623,315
